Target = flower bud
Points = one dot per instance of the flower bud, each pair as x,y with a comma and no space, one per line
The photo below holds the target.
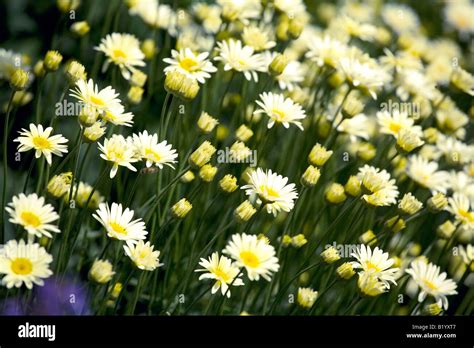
207,172
135,95
67,5
335,193
52,59
75,71
330,255
396,224
80,28
319,155
409,204
228,183
138,78
244,211
306,297
352,186
437,203
187,177
432,309
278,65
206,123
38,69
446,230
352,107
243,133
311,176
88,116
299,240
59,184
202,154
94,132
148,48
368,237
181,208
19,79
101,271
295,28
345,271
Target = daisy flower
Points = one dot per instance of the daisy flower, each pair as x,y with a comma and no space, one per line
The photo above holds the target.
366,76
414,83
143,255
382,190
24,263
325,51
119,224
118,151
280,110
241,10
122,50
193,65
254,254
89,94
291,76
33,214
240,58
376,263
393,122
427,276
257,38
117,116
460,207
426,174
223,271
42,142
159,154
272,190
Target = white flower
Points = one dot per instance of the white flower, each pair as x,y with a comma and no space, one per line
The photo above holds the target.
222,270
254,254
382,189
272,190
118,151
460,207
326,51
101,271
392,122
400,18
280,110
122,50
357,126
431,282
42,142
426,174
147,148
33,214
364,75
24,264
143,255
242,10
414,83
193,65
257,38
119,223
117,116
89,94
241,59
376,263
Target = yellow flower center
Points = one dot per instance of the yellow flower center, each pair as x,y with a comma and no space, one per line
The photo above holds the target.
21,266
119,54
189,64
223,276
149,153
430,284
41,143
394,127
30,219
370,266
249,259
269,193
97,101
279,115
466,215
118,228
